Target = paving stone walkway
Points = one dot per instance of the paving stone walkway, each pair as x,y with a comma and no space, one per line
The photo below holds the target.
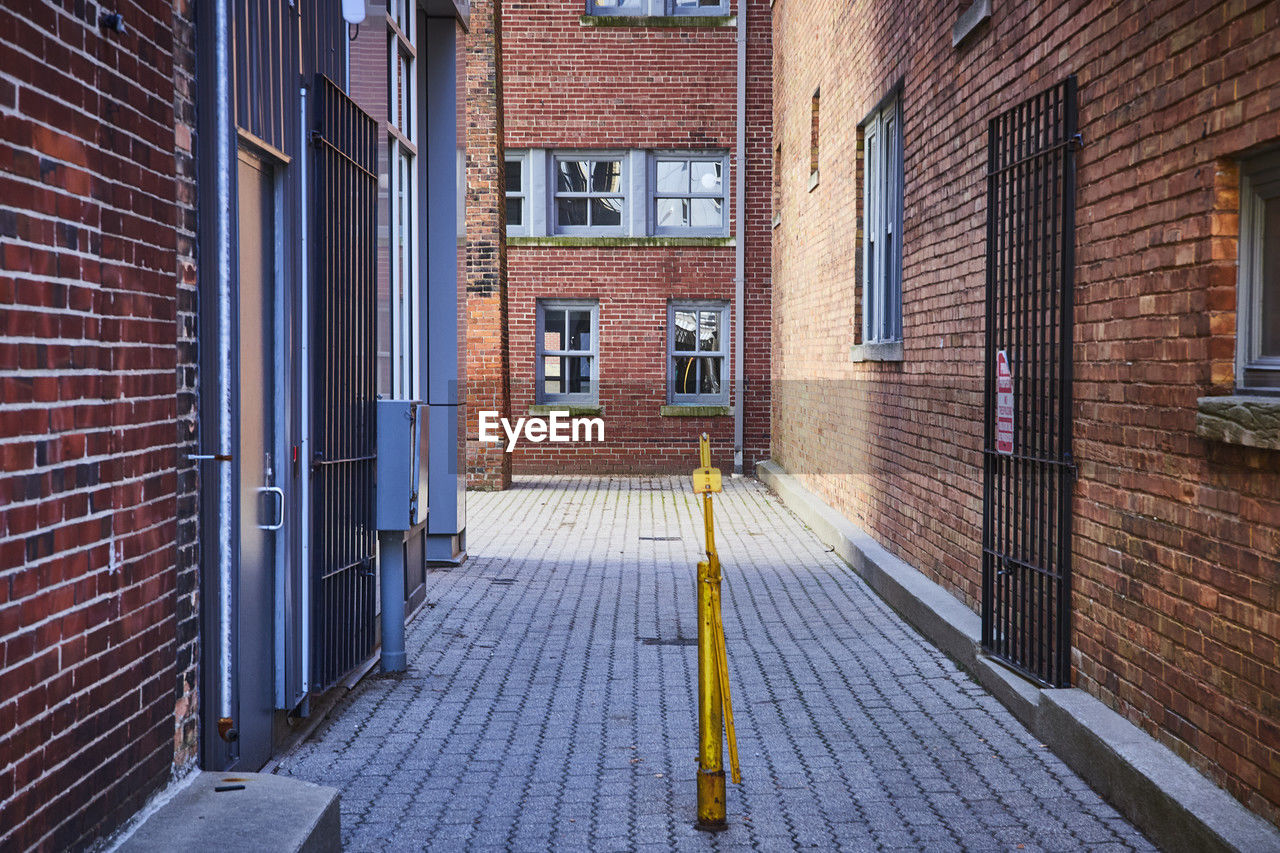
550,702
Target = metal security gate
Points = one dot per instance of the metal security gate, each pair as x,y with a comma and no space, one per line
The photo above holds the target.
344,361
1028,469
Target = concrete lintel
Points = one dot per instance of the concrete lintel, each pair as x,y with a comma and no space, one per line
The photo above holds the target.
1176,806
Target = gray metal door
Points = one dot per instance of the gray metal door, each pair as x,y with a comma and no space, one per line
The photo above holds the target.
261,503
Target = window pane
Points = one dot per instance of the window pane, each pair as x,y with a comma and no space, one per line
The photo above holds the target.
515,211
578,374
711,375
709,334
580,330
685,376
697,4
606,176
571,211
705,213
707,177
686,331
1270,302
553,330
553,375
673,176
606,211
571,176
515,173
673,212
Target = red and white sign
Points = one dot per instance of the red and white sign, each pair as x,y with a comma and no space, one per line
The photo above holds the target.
1004,404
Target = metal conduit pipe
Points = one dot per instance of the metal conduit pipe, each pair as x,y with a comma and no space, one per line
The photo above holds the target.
740,248
224,381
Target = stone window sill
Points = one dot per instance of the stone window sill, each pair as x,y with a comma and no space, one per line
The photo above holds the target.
813,180
891,351
686,411
574,410
623,242
1251,421
658,21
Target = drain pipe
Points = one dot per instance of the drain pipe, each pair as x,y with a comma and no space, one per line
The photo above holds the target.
740,248
222,230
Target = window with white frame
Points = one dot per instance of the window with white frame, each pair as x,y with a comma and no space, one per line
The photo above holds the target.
698,353
657,8
1258,324
689,194
568,351
403,162
517,181
882,226
590,195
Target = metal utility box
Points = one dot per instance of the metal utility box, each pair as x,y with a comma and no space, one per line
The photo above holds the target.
402,464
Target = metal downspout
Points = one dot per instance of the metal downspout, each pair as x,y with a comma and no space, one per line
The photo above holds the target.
222,230
740,248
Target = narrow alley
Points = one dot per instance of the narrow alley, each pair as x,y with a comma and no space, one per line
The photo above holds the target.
550,702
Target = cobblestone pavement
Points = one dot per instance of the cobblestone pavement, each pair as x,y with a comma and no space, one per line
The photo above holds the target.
550,702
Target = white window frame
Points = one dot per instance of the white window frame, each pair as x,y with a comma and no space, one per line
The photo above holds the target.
541,353
723,352
654,8
882,225
1259,184
554,194
722,195
521,192
402,124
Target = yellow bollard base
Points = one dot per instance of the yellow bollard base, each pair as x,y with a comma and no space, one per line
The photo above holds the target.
711,808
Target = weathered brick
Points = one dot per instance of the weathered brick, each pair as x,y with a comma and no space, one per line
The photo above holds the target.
1173,581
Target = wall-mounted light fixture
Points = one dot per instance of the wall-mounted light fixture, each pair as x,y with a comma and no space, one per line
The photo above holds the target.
353,11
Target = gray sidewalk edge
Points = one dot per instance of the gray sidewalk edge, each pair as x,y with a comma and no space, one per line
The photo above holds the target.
1174,804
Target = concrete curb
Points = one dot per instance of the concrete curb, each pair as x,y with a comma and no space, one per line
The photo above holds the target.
254,811
1177,807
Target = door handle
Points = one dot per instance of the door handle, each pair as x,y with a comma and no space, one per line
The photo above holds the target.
279,506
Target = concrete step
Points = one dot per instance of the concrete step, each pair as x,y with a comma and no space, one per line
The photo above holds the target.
255,811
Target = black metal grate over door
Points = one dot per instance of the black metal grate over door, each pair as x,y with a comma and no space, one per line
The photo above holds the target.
1028,469
344,360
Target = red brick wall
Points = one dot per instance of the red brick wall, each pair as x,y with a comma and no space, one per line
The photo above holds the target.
186,699
488,374
1175,538
567,85
95,233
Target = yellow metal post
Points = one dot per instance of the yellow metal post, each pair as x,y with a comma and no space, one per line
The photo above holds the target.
711,808
715,709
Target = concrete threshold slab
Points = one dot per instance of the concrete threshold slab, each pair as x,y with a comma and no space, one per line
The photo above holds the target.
1177,807
256,811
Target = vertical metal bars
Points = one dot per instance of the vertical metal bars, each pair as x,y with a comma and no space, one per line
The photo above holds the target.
1026,542
343,343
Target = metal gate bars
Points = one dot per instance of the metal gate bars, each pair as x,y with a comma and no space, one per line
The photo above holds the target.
1027,465
343,344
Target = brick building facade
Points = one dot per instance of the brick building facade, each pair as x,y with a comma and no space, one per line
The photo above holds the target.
171,213
98,607
603,114
1177,501
488,368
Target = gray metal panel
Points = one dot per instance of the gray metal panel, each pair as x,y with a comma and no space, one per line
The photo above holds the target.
440,261
537,204
402,479
447,481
